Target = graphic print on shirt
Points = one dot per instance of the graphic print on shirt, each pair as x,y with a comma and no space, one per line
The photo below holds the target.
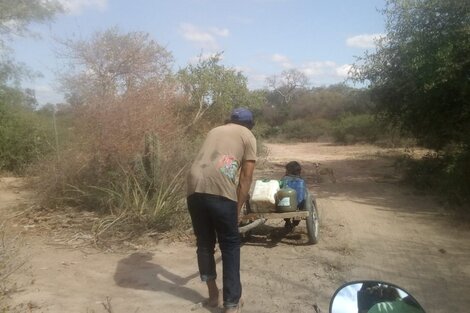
228,166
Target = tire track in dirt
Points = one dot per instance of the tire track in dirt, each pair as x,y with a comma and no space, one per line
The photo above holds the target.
391,232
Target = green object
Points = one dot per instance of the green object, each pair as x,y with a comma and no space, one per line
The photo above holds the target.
397,306
286,200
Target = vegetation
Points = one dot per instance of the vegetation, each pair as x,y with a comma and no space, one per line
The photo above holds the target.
419,79
442,173
134,135
213,91
123,140
338,112
110,64
353,128
419,74
25,136
126,160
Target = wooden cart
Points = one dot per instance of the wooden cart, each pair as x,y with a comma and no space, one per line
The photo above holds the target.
311,216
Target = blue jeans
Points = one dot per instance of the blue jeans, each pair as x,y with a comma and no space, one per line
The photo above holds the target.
216,217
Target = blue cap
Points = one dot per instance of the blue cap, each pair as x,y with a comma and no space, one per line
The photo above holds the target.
242,115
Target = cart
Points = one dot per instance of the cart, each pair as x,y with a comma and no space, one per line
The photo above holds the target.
311,216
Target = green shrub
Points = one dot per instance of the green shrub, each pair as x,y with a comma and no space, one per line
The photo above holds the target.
262,130
149,195
25,137
446,174
305,130
351,129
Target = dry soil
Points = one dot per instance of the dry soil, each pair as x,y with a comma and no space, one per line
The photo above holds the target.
372,227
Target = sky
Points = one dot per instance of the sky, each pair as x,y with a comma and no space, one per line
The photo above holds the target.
260,38
345,301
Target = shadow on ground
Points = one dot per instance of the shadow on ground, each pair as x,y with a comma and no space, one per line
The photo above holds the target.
137,271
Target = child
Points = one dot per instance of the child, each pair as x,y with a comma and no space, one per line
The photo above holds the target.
292,179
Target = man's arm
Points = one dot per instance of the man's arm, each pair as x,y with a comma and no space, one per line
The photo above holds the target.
244,183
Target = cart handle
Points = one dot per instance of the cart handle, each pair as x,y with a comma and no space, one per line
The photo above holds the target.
252,225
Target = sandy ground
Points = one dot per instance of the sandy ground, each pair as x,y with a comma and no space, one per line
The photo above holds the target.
372,227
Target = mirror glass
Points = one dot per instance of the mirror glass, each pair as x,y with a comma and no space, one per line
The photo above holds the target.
373,297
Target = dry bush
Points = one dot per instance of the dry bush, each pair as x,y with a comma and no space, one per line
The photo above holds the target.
116,128
128,160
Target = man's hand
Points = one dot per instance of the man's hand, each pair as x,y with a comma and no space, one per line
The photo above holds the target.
240,216
244,184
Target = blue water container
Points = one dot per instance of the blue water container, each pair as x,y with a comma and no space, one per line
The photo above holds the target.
296,183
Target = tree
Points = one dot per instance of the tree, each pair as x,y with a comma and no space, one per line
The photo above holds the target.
285,88
111,63
23,134
330,102
420,73
213,89
287,83
15,18
16,15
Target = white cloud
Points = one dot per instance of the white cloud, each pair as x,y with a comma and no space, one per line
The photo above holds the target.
317,68
343,70
279,58
282,60
77,6
326,69
222,32
318,71
205,38
192,33
363,41
257,81
244,69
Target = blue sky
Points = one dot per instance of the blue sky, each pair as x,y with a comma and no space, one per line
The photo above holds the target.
258,37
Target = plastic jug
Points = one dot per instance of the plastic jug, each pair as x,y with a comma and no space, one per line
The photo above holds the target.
296,183
286,200
263,198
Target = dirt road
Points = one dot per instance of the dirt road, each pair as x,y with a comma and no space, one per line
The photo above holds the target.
372,228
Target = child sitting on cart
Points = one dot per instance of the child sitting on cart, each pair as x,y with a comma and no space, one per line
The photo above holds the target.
292,179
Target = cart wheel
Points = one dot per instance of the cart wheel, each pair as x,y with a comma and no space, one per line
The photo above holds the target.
313,221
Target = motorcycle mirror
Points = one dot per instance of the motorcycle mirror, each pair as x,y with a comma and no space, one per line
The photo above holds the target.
373,297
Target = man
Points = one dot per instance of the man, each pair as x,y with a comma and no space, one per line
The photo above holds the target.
215,200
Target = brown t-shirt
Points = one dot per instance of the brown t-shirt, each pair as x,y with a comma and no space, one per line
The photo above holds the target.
215,170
